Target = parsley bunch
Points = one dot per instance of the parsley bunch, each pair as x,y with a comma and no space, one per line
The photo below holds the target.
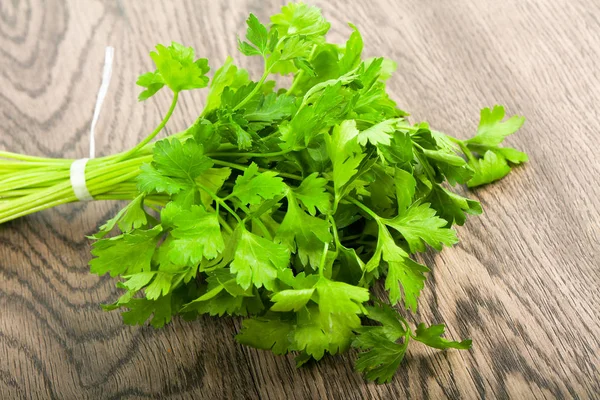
285,205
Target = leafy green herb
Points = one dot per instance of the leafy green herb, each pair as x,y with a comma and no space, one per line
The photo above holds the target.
284,205
306,197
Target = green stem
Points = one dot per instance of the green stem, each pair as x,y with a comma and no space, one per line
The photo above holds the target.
323,259
301,73
155,131
336,237
264,139
466,150
220,201
241,154
225,225
364,208
23,157
260,224
351,237
256,88
244,167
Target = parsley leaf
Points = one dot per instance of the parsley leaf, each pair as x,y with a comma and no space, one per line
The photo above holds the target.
431,336
267,334
253,187
258,260
491,131
125,254
197,235
174,168
419,225
258,37
176,68
303,234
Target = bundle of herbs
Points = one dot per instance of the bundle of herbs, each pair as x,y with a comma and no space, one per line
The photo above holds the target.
281,205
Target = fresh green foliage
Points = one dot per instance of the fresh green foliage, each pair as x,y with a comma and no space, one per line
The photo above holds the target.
286,205
176,68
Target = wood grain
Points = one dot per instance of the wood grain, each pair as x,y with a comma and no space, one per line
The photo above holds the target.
523,282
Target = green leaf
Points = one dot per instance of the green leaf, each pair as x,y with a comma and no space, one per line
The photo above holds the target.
266,334
382,357
452,207
288,300
137,281
258,37
380,133
431,336
445,156
132,216
345,154
271,108
512,155
491,130
488,169
152,81
353,51
303,234
300,19
229,75
174,168
126,254
393,325
399,152
197,235
401,270
317,332
224,296
411,276
160,286
258,260
151,180
253,187
339,297
313,195
405,185
140,311
212,179
180,160
419,225
176,68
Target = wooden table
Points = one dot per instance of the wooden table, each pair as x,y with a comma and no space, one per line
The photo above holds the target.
523,282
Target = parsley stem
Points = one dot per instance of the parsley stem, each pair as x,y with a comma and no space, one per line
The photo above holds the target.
220,201
231,165
336,237
155,131
243,168
256,88
301,73
466,150
242,154
363,207
260,224
225,225
351,237
269,136
23,157
323,259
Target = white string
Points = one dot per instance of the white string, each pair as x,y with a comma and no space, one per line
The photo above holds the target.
106,75
77,170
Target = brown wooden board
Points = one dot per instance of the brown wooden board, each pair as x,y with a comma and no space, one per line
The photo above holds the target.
524,282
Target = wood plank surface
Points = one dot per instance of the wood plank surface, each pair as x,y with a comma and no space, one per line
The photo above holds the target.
524,282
